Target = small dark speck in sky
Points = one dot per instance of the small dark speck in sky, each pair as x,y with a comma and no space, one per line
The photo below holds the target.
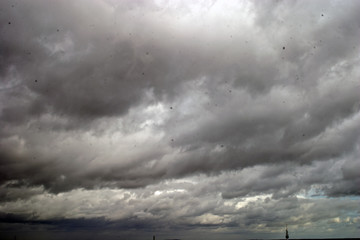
57,30
322,15
171,107
283,48
35,80
9,23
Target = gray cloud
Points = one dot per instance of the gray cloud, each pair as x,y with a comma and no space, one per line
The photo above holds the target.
230,111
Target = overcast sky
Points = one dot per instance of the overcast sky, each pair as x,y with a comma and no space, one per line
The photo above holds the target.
180,119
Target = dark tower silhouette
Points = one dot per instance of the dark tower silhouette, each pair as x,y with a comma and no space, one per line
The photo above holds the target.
287,233
154,237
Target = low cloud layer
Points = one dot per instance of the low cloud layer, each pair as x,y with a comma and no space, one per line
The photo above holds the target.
193,115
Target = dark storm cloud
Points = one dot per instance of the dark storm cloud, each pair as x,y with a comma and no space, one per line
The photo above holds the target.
207,119
79,223
13,193
258,102
91,67
69,71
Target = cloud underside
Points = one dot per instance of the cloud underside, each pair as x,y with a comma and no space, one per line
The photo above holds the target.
225,101
181,207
